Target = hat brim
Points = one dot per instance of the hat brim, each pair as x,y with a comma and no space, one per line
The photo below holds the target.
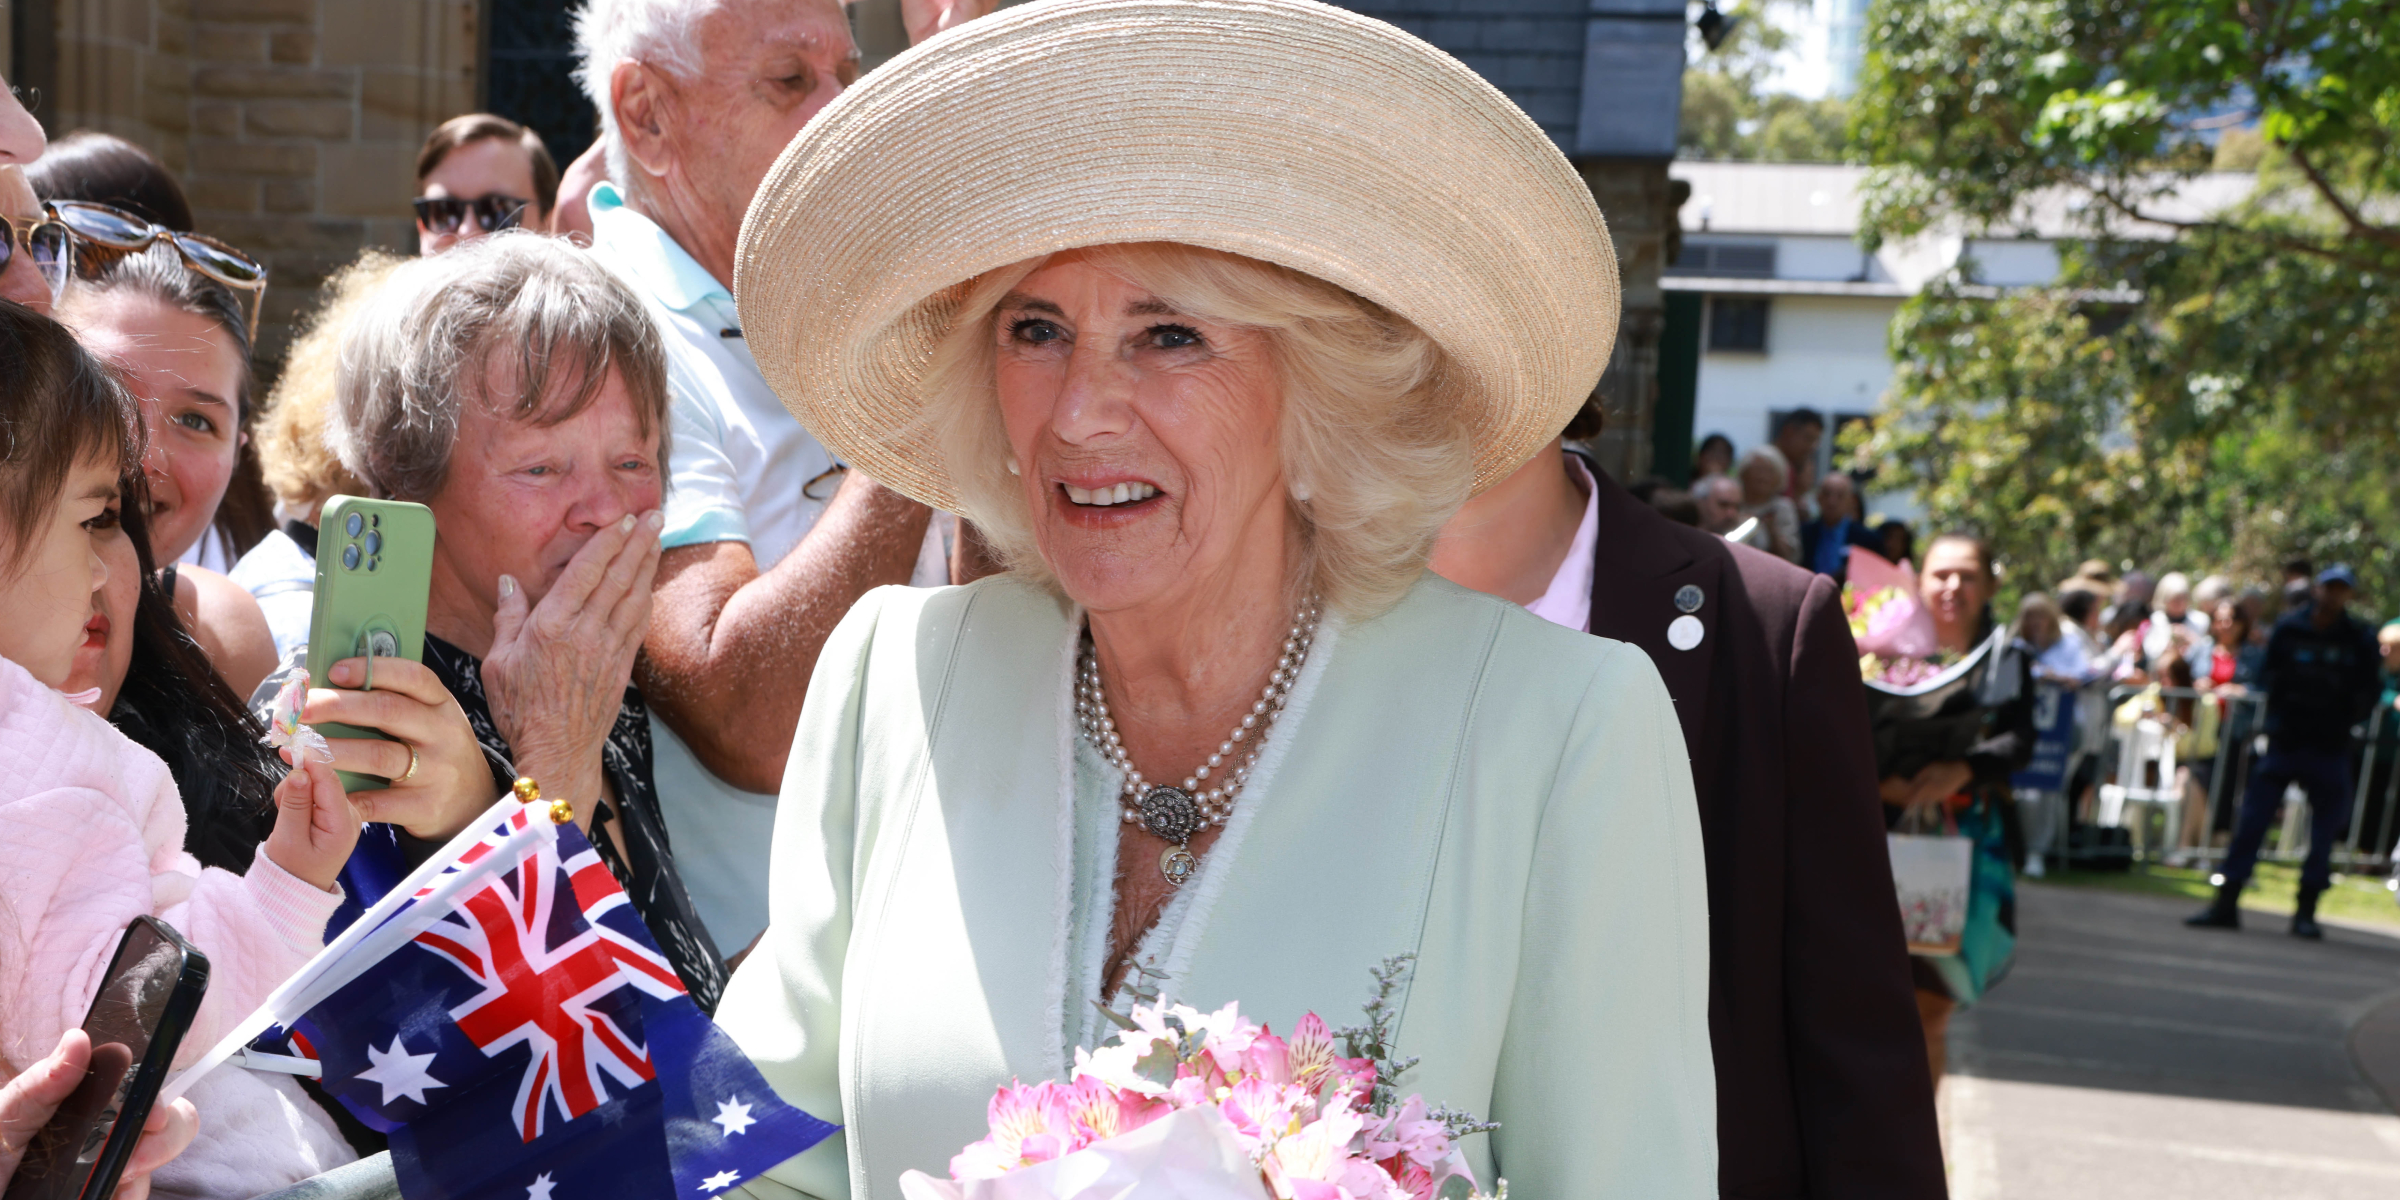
1284,130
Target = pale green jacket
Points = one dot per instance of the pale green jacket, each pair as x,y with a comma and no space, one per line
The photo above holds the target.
1507,799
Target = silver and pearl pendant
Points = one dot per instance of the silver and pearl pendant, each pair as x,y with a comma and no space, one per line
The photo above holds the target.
1176,814
1171,814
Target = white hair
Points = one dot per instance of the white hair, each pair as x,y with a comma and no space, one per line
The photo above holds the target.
2174,583
1769,455
664,34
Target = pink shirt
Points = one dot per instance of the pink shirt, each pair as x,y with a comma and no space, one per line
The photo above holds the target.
1569,600
91,836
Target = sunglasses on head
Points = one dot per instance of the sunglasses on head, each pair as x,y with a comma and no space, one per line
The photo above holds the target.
104,232
445,214
45,240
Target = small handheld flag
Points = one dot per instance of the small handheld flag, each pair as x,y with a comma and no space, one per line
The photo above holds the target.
526,1037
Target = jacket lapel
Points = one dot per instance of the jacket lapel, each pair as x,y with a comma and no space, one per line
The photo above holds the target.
1642,562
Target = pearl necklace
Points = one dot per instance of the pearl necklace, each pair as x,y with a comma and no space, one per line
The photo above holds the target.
1175,814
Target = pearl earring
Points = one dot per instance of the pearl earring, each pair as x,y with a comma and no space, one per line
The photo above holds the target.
1300,492
1012,467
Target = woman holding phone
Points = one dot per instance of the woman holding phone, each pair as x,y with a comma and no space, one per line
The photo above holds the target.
517,389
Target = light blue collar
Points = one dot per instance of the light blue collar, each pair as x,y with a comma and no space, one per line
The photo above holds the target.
636,243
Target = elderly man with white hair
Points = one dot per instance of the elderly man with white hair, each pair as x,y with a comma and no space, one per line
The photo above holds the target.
766,543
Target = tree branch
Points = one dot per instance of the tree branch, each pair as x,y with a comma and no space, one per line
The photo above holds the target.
2284,240
2359,226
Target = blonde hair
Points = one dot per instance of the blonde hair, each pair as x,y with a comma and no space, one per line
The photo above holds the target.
1368,434
293,454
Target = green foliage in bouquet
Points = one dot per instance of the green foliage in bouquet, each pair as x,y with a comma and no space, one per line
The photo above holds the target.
1374,1040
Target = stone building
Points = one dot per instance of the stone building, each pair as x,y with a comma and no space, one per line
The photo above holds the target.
294,124
1605,79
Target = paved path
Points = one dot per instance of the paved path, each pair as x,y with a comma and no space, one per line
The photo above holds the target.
2127,1057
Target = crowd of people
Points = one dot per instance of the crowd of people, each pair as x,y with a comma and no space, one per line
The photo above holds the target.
2209,669
860,539
1773,497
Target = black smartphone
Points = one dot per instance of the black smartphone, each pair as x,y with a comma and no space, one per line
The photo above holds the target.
146,1002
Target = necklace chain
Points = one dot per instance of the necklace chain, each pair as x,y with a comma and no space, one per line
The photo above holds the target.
1214,800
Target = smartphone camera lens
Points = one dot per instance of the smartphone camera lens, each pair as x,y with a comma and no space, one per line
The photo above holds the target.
353,524
350,555
374,543
373,563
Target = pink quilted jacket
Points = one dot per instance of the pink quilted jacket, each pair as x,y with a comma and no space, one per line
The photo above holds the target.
91,836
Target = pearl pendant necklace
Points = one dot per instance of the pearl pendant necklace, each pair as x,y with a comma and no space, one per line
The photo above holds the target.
1175,814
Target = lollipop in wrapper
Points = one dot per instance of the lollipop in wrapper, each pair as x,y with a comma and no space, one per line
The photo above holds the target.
284,730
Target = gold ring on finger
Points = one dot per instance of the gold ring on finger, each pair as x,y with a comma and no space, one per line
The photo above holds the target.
411,772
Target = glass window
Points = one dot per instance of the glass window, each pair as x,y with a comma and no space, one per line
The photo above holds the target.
1737,323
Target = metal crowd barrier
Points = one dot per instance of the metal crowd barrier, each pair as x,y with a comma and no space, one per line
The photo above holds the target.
2373,822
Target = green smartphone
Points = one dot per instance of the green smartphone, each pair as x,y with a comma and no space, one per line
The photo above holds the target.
374,568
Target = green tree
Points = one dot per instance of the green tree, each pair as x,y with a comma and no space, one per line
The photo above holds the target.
2200,387
1730,110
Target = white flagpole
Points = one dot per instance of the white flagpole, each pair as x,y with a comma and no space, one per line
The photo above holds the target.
376,934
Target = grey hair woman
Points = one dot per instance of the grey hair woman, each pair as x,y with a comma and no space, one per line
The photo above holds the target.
1763,473
1216,729
517,388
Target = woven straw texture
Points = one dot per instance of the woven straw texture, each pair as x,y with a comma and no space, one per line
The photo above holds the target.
1285,130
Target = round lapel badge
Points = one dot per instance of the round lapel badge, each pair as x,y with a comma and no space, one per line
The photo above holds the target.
1685,632
1688,598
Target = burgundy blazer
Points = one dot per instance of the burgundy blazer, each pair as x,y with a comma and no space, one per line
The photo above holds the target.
1822,1085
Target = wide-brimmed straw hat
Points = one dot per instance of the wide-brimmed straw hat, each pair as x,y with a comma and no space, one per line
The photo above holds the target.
1284,130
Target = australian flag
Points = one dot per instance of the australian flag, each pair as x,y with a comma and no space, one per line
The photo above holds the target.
531,1042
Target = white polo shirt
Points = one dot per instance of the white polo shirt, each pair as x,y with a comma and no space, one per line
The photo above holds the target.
737,471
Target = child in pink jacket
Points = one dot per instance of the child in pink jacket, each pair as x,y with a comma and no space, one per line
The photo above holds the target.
91,827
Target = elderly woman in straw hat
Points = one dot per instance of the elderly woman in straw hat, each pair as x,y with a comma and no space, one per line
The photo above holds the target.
1209,324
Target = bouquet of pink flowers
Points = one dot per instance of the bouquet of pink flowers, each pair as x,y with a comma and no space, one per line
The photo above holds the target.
1211,1106
1896,641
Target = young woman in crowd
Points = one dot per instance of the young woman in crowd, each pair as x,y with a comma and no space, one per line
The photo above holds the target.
104,169
91,826
181,343
1956,584
1714,457
1896,541
2233,657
